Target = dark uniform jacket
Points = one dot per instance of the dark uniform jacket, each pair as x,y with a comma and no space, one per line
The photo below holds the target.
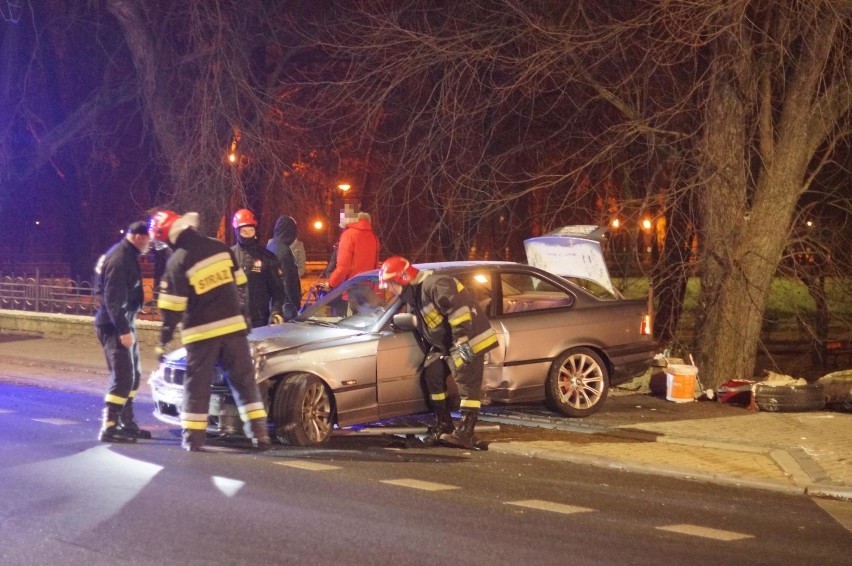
265,281
118,287
448,314
200,289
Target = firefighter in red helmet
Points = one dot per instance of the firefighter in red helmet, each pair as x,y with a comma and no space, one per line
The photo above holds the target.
201,289
264,273
458,334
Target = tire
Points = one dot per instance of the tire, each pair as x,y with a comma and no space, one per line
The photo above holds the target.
789,398
577,383
302,411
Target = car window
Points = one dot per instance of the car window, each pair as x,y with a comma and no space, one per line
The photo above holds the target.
357,303
478,283
526,292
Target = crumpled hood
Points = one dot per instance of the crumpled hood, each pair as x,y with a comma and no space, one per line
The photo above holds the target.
267,339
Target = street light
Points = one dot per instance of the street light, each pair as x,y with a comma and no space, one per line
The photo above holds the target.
344,187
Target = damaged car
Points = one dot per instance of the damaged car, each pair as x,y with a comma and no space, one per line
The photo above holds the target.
353,357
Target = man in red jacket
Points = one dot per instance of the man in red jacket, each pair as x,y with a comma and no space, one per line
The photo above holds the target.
357,252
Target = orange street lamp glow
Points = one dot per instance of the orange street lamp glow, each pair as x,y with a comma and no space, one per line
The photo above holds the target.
646,224
318,225
616,223
344,187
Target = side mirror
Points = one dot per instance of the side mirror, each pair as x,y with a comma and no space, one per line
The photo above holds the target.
404,321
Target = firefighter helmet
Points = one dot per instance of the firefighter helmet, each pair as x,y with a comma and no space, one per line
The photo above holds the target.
397,269
243,217
159,226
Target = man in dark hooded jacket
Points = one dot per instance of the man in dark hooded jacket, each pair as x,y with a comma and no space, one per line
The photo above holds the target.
282,236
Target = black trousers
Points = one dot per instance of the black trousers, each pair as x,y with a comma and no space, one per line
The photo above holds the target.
125,371
468,380
233,353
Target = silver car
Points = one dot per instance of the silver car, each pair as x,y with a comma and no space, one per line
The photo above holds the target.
353,357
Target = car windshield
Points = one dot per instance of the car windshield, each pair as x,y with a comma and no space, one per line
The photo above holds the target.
357,303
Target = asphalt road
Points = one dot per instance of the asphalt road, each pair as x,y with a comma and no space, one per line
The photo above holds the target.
69,499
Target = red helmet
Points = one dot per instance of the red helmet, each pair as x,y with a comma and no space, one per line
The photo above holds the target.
243,217
160,224
397,269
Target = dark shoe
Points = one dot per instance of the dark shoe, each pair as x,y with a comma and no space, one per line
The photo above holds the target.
443,424
127,422
112,434
261,444
192,447
462,436
134,431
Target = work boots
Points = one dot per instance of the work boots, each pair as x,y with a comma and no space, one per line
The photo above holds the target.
462,436
109,430
443,423
193,440
127,423
259,433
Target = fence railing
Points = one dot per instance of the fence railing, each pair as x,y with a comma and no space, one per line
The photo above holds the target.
59,295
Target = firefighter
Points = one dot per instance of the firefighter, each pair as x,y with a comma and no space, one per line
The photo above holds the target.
202,289
458,335
118,286
264,273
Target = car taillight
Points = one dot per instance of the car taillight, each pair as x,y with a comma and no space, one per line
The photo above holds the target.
645,329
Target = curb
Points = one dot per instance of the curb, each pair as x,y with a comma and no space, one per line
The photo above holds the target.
520,449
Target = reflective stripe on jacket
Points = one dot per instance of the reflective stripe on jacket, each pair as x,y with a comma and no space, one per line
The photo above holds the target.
450,315
199,288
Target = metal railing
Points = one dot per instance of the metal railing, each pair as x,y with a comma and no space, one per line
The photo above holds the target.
58,295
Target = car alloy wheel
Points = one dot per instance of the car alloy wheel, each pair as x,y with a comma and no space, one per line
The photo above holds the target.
302,411
577,384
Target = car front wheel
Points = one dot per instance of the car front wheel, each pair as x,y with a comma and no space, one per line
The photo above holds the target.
302,411
577,384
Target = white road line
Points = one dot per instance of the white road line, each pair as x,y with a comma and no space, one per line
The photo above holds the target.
5,411
424,485
704,532
549,506
308,465
56,421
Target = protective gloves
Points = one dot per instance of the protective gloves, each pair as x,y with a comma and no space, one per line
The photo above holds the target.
276,318
462,355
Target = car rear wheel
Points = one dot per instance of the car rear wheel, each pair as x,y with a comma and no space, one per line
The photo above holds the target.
577,384
302,411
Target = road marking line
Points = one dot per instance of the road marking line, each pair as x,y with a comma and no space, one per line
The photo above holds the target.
56,421
424,485
705,532
5,411
549,506
308,465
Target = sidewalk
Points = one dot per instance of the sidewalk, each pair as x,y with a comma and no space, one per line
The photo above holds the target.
802,453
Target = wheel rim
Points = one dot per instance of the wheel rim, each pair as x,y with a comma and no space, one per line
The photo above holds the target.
581,382
316,413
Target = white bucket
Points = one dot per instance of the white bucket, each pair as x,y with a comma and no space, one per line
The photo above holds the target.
680,383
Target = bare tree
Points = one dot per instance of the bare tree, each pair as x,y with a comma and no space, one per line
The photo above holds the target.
471,125
735,106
